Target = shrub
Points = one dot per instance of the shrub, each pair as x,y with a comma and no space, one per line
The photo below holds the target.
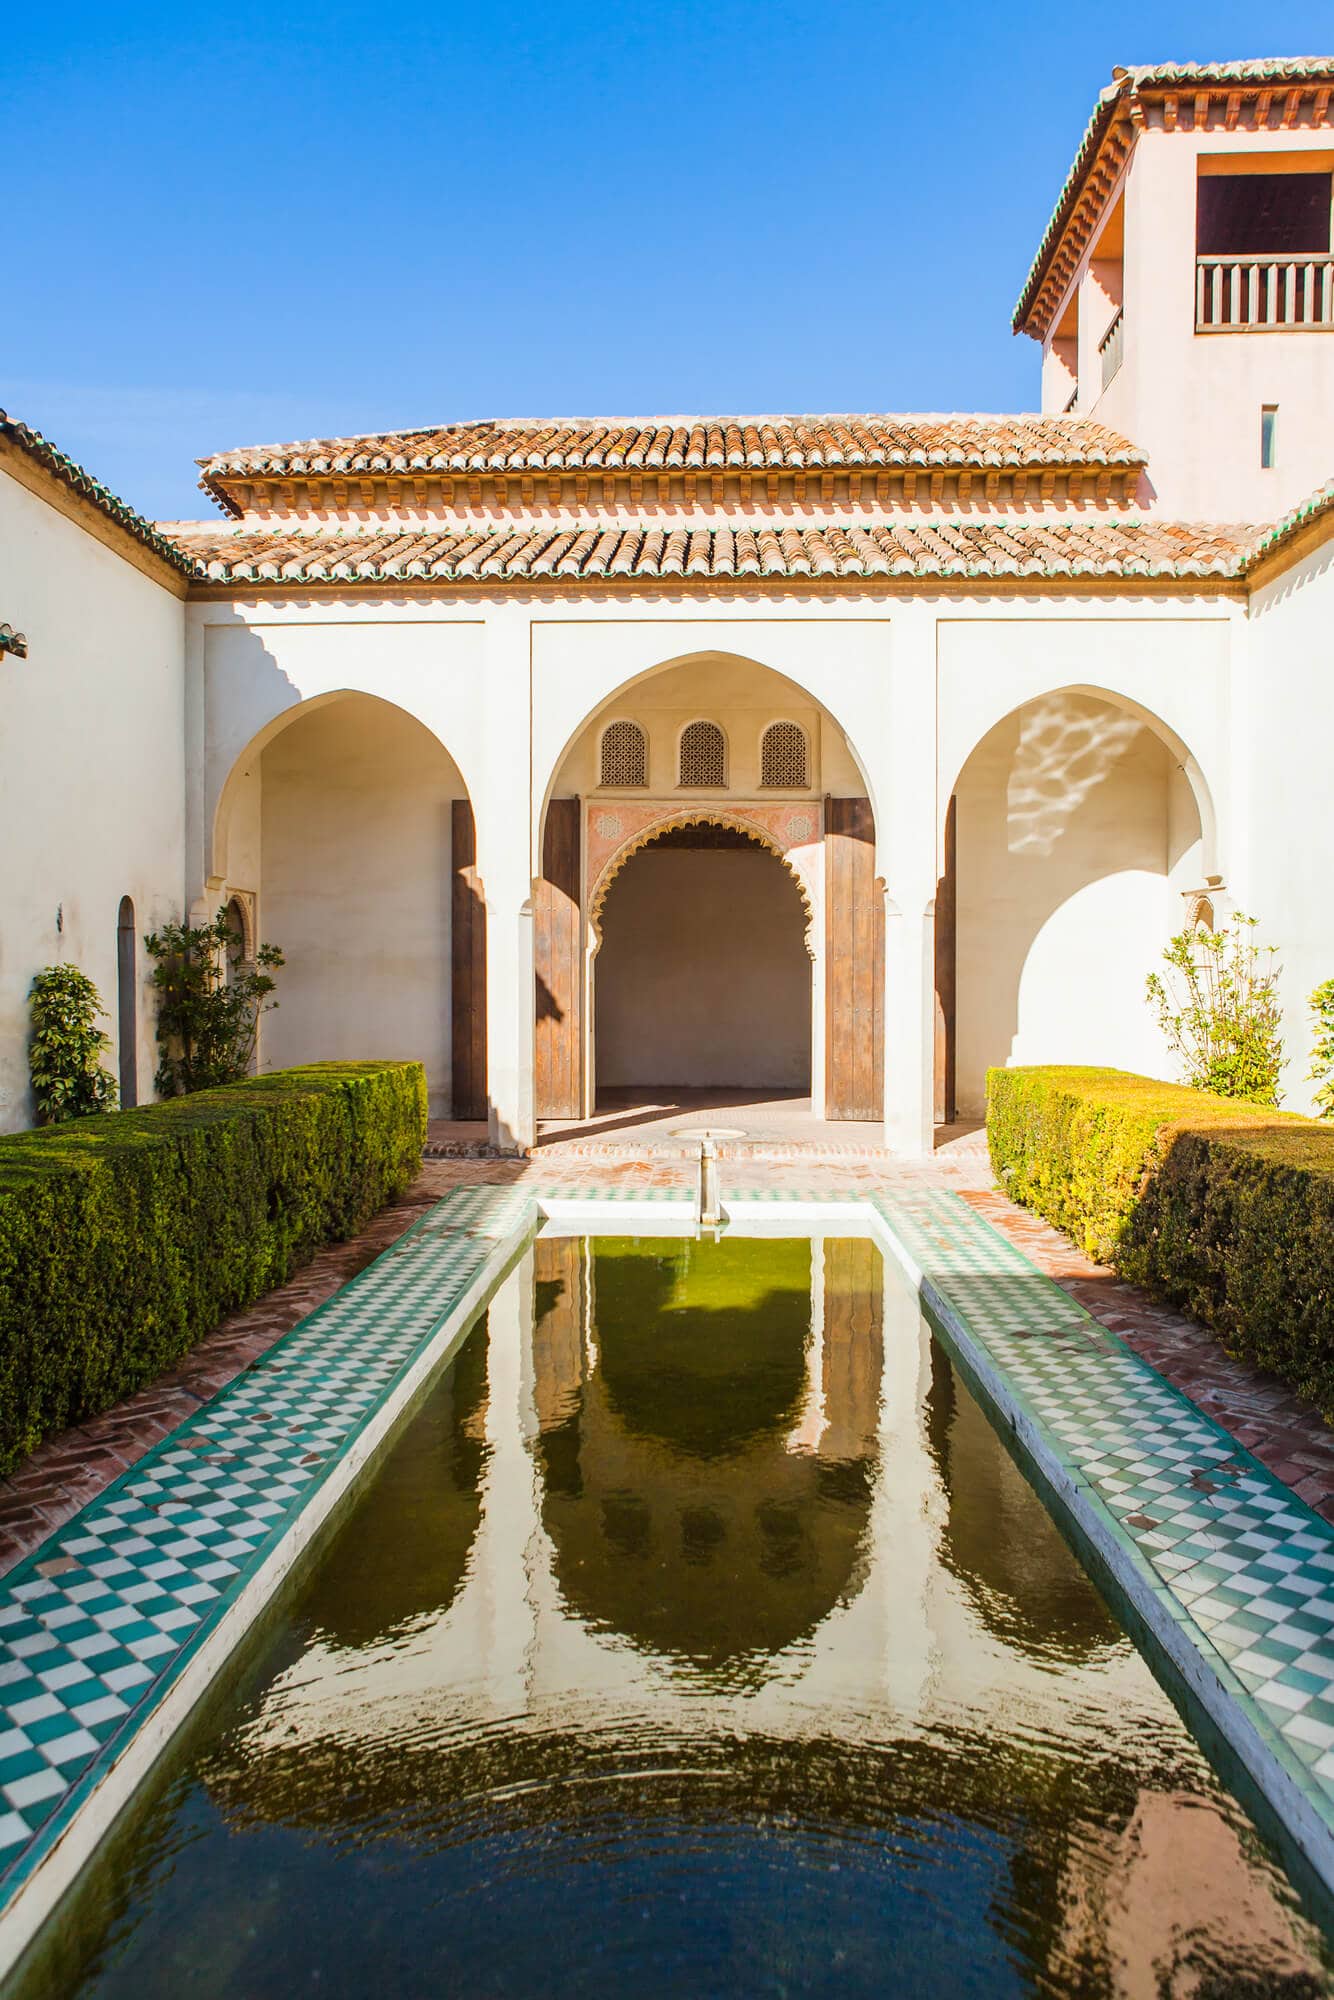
1322,1051
125,1239
1219,1011
209,1003
1224,1209
68,1080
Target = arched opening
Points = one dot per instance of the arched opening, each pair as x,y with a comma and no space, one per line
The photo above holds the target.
703,979
127,1005
344,847
1075,832
617,948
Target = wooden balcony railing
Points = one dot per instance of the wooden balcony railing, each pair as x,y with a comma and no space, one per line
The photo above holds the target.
1240,294
1112,346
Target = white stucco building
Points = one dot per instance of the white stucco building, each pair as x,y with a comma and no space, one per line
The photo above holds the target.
836,755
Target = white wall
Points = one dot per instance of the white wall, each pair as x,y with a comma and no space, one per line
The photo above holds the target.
1288,744
703,976
1076,835
92,780
355,887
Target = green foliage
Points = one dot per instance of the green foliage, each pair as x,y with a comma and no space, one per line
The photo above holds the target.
1218,1008
1322,1052
209,1003
1225,1210
68,1080
125,1239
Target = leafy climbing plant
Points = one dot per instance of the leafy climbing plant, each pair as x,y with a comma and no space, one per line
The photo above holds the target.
209,1000
65,1047
1322,1051
1218,1008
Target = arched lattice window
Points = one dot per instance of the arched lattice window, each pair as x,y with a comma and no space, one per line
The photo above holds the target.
703,755
624,758
783,761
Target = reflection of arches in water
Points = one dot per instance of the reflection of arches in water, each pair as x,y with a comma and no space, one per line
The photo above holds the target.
1001,1542
693,1501
403,1552
1052,1861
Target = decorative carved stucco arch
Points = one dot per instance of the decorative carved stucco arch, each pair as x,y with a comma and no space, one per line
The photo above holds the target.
792,833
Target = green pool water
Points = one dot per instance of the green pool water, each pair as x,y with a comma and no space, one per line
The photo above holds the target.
697,1635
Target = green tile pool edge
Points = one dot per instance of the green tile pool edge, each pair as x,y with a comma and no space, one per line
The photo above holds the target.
475,1232
954,1258
1303,1804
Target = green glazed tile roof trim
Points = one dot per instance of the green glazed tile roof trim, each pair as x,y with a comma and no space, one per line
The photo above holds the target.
1313,508
1125,84
13,642
73,475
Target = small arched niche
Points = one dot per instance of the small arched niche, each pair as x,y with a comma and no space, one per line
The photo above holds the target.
623,756
127,1004
701,758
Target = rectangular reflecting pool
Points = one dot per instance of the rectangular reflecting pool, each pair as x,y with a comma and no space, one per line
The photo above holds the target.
696,1634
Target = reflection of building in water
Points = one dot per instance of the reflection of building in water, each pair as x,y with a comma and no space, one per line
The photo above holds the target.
780,1550
689,1506
1007,1554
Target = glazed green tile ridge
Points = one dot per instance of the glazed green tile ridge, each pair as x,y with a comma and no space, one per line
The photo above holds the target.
98,1623
1242,1566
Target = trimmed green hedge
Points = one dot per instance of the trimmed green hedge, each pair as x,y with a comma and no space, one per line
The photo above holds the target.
1225,1209
126,1237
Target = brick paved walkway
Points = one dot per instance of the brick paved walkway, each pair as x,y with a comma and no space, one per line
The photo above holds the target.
1264,1416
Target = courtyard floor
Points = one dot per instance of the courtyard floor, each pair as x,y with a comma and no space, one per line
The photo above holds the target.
1264,1416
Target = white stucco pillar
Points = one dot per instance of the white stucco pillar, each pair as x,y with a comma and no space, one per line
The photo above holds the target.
503,807
909,836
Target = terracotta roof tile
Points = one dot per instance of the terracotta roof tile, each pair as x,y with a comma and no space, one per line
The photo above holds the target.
979,548
671,444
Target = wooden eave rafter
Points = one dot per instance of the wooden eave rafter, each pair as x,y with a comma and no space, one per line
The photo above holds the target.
684,492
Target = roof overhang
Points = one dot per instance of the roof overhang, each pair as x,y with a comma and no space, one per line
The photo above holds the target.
1182,97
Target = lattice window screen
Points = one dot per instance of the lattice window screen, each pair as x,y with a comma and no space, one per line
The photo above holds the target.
624,755
703,755
783,757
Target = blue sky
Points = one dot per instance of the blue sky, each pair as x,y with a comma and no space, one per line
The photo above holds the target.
237,225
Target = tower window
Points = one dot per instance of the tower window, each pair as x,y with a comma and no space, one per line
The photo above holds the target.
1264,215
1269,437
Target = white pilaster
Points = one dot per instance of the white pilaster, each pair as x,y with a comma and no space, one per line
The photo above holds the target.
908,846
503,806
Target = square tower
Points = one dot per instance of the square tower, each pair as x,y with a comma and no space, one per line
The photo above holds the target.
1183,293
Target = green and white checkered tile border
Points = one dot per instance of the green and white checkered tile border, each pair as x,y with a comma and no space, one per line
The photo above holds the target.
1230,1572
116,1625
105,1625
